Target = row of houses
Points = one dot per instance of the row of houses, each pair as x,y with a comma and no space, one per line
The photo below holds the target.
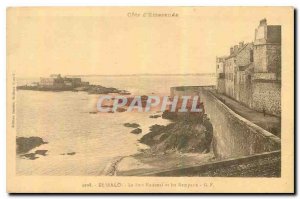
251,73
58,82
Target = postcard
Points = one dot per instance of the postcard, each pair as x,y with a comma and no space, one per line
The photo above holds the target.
150,100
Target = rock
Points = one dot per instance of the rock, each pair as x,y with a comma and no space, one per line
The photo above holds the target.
41,152
186,134
97,89
136,131
32,156
132,125
169,115
182,116
155,116
26,144
70,153
91,89
154,131
124,92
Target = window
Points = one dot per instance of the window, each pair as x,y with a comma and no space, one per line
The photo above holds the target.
251,55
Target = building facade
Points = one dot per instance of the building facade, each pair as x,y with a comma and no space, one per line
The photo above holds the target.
54,81
253,71
59,82
229,75
244,61
266,79
220,62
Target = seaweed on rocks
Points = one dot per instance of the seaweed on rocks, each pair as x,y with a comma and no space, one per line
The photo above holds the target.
136,131
132,125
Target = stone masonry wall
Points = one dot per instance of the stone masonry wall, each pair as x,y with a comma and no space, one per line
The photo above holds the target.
266,95
235,136
245,91
221,86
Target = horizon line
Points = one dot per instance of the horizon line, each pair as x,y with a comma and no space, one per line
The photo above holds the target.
147,74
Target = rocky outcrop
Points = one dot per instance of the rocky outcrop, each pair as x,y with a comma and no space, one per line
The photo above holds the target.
91,89
70,153
187,133
97,89
154,116
26,144
132,125
136,131
33,156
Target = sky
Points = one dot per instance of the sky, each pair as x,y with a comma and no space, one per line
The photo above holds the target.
106,41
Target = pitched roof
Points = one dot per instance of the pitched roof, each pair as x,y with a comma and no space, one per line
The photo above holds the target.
234,54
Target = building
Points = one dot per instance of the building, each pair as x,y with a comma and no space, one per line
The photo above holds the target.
73,81
266,78
54,81
253,71
58,82
244,61
229,71
220,62
56,76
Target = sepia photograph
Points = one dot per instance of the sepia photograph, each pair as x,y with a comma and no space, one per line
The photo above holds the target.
150,99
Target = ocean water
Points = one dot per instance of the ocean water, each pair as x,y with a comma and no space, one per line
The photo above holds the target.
63,120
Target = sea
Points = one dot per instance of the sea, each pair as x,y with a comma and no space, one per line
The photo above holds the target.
63,119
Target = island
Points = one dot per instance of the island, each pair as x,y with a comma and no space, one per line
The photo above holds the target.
57,83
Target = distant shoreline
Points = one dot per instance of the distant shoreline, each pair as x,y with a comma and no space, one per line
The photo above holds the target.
122,75
134,75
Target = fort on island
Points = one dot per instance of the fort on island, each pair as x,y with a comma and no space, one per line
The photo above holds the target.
57,81
251,73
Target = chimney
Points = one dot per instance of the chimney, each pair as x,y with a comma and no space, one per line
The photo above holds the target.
241,45
236,48
263,22
231,50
